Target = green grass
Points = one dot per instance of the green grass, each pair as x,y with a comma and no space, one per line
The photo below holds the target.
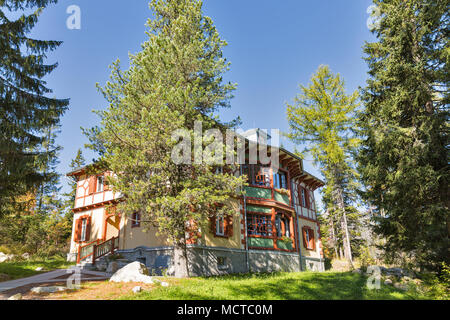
277,286
22,269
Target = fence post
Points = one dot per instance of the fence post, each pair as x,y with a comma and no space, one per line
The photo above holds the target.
79,254
93,254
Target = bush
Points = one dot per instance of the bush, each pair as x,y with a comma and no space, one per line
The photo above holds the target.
366,258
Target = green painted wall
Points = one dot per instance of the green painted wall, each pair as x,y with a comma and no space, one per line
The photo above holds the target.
258,193
283,198
284,245
258,209
260,242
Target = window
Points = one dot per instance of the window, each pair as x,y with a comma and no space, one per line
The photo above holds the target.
220,226
280,180
257,175
100,183
83,229
308,238
222,263
282,224
278,225
259,225
219,170
136,220
303,197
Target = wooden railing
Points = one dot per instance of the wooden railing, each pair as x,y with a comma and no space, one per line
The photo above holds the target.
109,246
86,251
97,249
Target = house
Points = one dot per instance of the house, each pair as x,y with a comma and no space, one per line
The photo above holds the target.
275,226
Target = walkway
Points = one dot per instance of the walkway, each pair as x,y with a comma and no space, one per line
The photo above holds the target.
60,275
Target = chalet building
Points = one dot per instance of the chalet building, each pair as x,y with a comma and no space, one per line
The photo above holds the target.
275,226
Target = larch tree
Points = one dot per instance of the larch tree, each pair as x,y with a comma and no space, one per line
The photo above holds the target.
175,81
321,118
404,126
26,110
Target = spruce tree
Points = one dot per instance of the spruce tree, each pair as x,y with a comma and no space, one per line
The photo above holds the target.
321,117
404,155
173,82
26,110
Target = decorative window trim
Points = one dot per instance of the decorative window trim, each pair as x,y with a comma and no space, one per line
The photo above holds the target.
227,227
309,239
82,229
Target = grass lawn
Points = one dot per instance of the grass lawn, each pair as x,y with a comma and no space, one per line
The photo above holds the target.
22,269
278,286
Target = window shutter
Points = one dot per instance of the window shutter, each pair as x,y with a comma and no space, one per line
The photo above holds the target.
304,230
228,225
92,184
306,198
88,229
77,232
212,221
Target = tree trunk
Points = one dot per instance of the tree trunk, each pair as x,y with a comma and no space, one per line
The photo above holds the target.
180,261
339,200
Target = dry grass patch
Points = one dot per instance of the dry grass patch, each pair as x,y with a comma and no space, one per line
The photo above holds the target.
99,291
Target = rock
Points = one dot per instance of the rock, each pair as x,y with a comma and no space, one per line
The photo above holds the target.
357,271
401,286
398,272
39,269
26,256
162,283
137,289
4,277
17,296
6,257
132,272
39,290
112,267
388,282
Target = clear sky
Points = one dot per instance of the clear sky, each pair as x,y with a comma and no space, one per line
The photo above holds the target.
273,47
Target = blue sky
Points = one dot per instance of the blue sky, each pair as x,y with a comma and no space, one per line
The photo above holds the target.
273,47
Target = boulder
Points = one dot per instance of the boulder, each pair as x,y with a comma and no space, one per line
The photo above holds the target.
6,257
39,269
26,256
132,272
17,296
112,267
4,277
388,282
137,289
53,289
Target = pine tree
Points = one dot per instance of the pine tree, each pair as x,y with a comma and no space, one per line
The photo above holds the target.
26,111
321,117
173,82
404,156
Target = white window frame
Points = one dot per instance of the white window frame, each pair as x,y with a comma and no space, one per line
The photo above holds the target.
220,226
303,197
100,183
83,229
